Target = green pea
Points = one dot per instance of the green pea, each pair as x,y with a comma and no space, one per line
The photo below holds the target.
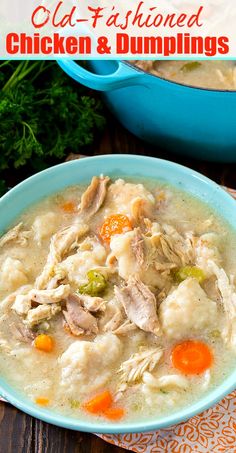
215,334
189,271
74,404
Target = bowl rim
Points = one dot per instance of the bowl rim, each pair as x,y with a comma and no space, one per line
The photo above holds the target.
173,82
23,403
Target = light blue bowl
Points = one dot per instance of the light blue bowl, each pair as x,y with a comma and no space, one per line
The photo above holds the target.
77,172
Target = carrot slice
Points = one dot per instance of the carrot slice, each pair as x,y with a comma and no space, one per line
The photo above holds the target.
44,343
42,401
114,413
69,207
99,403
191,357
114,224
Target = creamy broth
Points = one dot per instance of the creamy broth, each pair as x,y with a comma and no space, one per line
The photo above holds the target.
217,74
111,345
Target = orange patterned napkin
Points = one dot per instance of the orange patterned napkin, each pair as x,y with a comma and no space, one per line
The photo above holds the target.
213,431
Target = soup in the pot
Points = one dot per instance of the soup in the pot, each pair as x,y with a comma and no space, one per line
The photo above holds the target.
117,301
214,74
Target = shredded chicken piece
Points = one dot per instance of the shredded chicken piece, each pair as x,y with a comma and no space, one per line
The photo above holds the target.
94,196
152,255
140,305
78,319
61,244
145,360
138,247
22,332
140,209
42,312
228,295
175,248
50,296
128,251
15,234
113,317
211,289
125,328
22,303
93,304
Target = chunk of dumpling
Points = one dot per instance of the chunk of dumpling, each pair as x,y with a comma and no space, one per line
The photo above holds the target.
187,311
129,262
44,226
76,266
22,304
163,391
122,195
12,274
170,381
87,366
206,250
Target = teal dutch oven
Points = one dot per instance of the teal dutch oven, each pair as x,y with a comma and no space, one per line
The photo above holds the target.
197,122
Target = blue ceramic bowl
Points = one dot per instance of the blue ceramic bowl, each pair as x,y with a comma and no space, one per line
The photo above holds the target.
57,178
196,122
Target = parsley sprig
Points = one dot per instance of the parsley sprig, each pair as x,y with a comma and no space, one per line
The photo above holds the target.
44,115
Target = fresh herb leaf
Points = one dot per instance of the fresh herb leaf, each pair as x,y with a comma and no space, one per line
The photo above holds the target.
44,115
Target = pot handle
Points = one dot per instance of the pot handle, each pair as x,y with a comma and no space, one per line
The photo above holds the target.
122,77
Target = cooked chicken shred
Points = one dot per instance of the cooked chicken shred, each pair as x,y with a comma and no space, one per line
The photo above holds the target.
140,305
78,319
62,243
93,198
228,295
133,369
17,235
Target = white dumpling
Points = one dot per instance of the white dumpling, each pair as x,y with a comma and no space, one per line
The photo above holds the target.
76,266
12,274
87,366
44,226
187,311
206,251
121,195
122,250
